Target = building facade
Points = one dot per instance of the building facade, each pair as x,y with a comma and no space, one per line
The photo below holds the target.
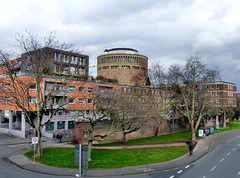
222,94
60,62
123,64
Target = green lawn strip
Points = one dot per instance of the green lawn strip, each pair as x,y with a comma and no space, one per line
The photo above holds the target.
234,125
177,137
62,157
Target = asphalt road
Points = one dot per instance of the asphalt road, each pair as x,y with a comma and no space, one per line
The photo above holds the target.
8,170
222,162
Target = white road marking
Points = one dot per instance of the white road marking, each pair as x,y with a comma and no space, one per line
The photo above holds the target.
239,173
238,136
171,177
238,144
204,176
234,149
187,166
228,154
213,168
179,171
221,160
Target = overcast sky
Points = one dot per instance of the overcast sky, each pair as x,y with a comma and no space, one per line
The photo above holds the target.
167,31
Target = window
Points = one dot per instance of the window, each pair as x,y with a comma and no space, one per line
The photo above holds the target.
212,93
125,76
217,101
71,100
125,67
81,101
60,112
105,67
217,93
66,113
135,67
73,113
47,113
32,86
90,101
71,89
60,125
5,86
81,89
114,67
49,126
90,90
32,99
71,125
87,111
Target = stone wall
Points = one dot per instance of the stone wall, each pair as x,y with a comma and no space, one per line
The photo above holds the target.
149,129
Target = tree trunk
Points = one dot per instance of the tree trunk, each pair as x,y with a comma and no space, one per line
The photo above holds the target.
158,129
124,140
193,132
224,119
39,119
173,127
39,151
217,122
89,146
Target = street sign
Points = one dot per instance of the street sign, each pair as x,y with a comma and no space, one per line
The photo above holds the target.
34,140
200,133
84,156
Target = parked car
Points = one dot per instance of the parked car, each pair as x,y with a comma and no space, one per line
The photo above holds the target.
4,119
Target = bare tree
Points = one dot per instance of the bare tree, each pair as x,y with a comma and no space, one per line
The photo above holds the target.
38,54
189,94
131,113
160,96
101,106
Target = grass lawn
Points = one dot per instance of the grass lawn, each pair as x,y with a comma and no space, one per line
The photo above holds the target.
177,137
62,157
234,125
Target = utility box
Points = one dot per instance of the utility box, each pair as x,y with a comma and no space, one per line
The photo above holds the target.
212,130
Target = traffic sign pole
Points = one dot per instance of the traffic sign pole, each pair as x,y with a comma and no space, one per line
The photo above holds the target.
80,161
34,142
148,156
34,151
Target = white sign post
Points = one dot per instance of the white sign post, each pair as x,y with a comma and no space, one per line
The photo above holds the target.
34,142
200,133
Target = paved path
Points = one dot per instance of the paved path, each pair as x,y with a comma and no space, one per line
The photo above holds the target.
66,145
203,147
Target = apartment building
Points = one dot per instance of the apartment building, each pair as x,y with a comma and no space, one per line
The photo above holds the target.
58,61
223,94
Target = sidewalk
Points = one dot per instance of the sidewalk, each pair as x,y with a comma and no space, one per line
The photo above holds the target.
203,147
